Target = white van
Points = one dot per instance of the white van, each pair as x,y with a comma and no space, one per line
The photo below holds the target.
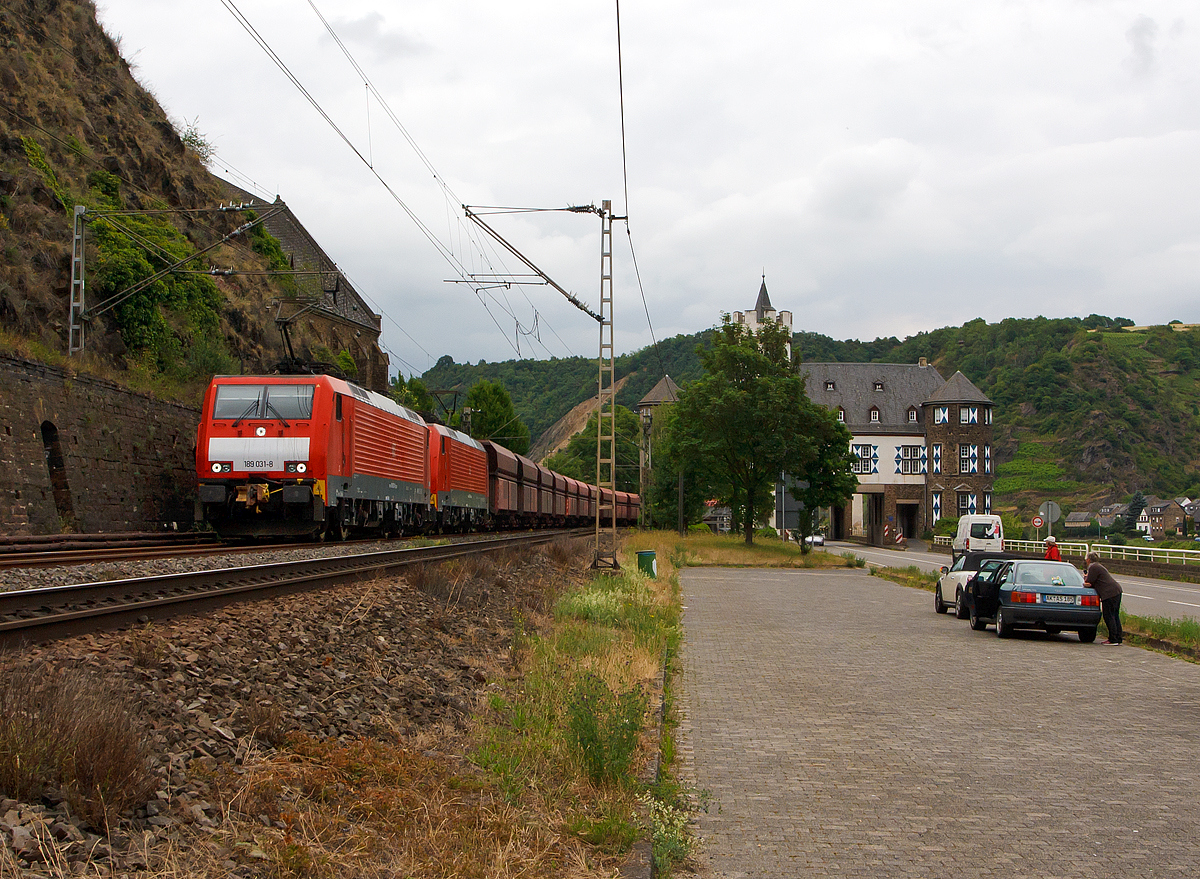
978,534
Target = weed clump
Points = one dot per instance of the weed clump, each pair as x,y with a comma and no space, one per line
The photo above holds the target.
68,730
605,726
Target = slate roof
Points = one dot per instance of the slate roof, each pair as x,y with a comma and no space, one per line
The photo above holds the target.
338,297
958,389
666,391
763,304
904,385
1082,517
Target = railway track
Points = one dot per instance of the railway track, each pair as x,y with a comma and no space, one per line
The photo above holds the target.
49,613
123,550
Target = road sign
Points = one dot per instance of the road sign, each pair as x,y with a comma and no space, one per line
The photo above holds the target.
1050,510
1038,522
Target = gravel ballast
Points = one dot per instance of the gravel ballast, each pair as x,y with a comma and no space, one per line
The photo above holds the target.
392,659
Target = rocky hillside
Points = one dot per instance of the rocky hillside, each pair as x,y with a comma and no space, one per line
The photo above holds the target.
76,128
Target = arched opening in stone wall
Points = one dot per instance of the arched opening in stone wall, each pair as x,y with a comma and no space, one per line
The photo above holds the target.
58,475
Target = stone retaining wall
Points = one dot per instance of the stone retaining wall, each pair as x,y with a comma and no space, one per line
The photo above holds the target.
79,453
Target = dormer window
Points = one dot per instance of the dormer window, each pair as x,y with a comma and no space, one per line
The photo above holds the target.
879,386
874,414
829,386
912,415
841,415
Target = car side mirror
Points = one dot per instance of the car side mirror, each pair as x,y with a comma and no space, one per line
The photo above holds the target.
945,570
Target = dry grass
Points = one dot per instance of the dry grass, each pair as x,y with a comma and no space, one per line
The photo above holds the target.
266,719
67,729
371,809
725,550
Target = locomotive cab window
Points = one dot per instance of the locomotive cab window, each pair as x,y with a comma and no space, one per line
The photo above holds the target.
337,407
276,402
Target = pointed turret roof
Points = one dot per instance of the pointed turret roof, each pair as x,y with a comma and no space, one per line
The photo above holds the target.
958,389
666,391
764,301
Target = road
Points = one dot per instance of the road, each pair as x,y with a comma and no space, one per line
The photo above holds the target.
835,726
1143,596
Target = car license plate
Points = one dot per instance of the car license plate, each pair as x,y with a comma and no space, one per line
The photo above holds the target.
1058,599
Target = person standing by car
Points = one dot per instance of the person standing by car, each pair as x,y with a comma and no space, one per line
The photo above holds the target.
1052,553
1109,590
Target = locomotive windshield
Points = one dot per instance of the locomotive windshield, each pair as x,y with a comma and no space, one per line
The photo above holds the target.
280,402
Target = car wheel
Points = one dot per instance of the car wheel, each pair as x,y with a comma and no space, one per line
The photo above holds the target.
938,604
960,606
1003,628
1087,636
976,623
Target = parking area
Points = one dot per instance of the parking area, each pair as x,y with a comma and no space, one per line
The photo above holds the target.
840,727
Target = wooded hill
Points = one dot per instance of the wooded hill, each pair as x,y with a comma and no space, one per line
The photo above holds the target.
1086,411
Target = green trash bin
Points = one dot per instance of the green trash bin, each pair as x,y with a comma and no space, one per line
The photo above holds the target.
647,563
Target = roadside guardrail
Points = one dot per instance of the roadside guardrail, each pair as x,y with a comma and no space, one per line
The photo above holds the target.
1130,552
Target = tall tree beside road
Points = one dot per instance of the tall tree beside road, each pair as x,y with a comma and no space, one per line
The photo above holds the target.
493,416
829,476
749,419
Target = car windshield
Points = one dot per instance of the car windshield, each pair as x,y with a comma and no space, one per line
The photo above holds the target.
282,402
958,565
1048,575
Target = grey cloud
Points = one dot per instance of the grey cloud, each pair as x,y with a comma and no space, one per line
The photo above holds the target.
371,32
1141,36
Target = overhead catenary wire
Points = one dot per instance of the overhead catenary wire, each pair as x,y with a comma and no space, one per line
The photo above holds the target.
451,198
625,180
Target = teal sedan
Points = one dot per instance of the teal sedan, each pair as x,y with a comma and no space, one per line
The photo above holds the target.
1034,594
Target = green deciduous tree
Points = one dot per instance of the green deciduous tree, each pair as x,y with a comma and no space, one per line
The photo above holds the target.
749,419
411,393
828,474
493,416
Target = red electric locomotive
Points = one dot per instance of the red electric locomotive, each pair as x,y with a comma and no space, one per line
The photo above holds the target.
308,455
316,456
458,479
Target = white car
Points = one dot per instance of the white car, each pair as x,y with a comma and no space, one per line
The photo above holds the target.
816,539
953,579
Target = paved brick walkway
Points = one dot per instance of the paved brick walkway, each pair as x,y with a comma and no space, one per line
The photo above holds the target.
845,729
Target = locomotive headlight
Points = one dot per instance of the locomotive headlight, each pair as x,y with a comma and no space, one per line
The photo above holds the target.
219,467
295,467
302,467
260,431
216,468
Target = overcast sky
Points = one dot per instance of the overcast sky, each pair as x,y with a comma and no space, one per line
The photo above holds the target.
891,167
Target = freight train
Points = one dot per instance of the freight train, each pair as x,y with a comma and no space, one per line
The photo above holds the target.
315,456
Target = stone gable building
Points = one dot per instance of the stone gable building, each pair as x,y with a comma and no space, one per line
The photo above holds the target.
923,443
327,307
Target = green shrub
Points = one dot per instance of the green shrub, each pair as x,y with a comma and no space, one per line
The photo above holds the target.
605,727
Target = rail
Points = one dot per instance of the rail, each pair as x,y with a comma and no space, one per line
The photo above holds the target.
60,611
1129,552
